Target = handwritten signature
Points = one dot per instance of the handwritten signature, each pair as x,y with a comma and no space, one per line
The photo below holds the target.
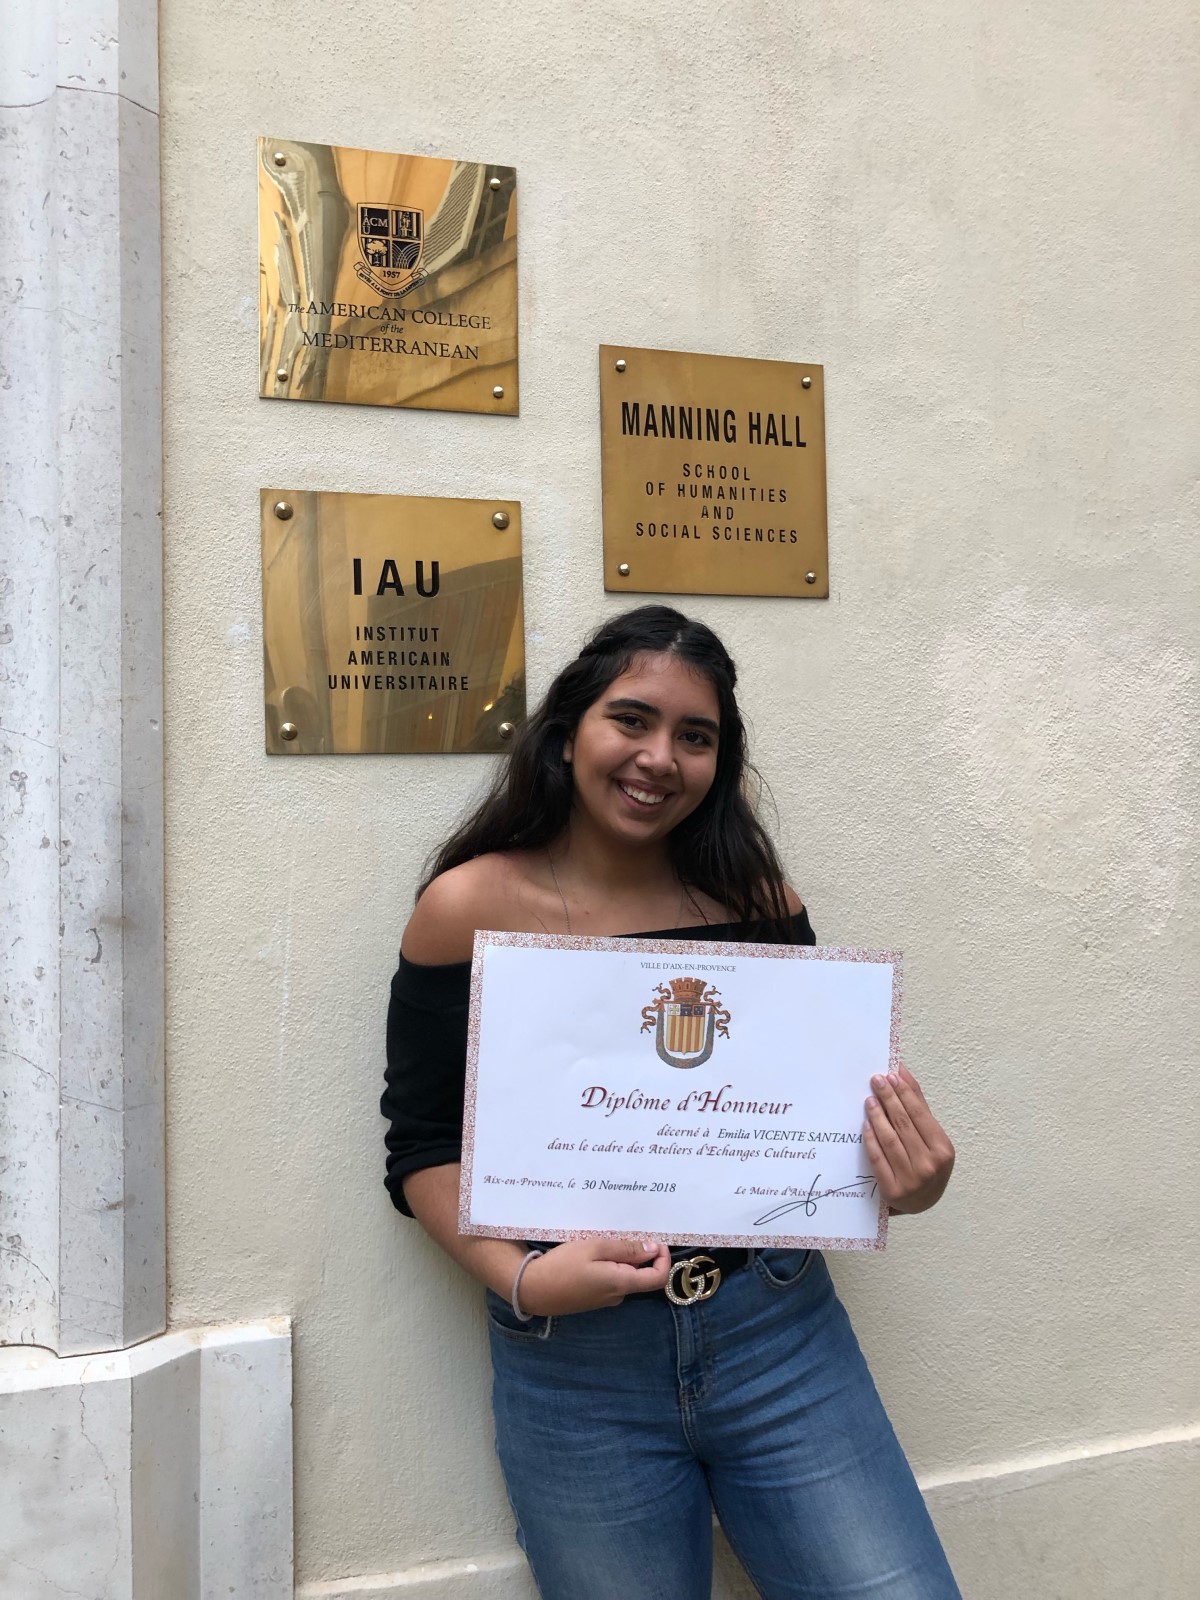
809,1200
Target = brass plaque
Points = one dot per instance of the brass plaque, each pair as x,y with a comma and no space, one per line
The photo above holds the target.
714,474
391,623
386,280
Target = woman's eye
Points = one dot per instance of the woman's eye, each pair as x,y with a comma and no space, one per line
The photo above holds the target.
695,737
627,719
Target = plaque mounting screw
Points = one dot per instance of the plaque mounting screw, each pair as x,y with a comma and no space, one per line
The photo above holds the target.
810,577
506,730
283,511
623,569
493,183
279,159
498,392
621,365
281,375
499,519
806,382
288,731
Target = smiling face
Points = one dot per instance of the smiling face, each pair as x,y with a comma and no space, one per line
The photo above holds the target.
645,753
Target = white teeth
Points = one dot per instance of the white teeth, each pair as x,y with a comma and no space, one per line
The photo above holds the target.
640,794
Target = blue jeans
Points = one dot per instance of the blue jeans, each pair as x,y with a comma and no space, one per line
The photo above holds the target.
620,1430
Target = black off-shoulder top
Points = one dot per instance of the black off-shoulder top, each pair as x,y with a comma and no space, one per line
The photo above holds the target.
427,1051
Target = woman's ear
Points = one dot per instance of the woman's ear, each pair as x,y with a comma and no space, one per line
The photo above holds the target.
568,751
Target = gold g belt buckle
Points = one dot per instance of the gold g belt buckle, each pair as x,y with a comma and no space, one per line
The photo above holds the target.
694,1280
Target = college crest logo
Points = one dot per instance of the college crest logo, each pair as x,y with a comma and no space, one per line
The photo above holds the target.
686,1018
391,240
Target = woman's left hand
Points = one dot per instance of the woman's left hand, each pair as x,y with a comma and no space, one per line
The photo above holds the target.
911,1156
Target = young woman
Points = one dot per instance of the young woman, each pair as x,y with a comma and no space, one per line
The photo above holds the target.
622,1418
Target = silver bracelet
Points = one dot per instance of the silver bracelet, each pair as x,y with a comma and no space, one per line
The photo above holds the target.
525,1316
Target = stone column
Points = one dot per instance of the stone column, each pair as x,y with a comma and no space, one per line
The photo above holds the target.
140,1467
81,859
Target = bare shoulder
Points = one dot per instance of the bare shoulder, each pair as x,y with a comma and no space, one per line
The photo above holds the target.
443,924
794,903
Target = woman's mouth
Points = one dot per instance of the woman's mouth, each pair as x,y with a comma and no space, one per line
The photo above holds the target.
642,797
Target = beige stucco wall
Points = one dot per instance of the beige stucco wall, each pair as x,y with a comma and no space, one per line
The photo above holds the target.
982,221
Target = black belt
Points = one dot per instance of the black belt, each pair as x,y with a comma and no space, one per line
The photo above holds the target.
696,1275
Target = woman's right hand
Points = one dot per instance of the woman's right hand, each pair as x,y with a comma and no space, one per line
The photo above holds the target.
586,1274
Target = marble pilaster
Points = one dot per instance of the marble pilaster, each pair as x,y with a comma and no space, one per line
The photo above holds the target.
81,1072
160,1471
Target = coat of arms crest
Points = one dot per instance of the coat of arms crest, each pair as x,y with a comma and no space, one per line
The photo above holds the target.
391,240
686,1018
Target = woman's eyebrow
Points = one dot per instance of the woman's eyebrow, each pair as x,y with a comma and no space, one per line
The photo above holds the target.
655,711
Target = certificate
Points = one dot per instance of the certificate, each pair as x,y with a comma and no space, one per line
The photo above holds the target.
697,1093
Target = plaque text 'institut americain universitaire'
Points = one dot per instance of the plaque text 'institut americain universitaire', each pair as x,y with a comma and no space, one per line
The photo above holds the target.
391,623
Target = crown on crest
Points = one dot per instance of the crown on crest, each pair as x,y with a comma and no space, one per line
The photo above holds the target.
688,988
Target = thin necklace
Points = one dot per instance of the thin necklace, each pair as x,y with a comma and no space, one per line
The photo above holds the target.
563,899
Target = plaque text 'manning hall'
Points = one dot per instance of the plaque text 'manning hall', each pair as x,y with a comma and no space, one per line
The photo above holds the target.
714,474
710,424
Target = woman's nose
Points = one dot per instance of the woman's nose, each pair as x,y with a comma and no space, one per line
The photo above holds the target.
656,754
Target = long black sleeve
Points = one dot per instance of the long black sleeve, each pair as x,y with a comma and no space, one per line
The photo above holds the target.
426,1070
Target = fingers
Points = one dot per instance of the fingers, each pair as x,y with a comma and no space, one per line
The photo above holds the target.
634,1266
586,1274
634,1252
888,1134
642,1280
653,1273
909,1138
893,1105
918,1130
908,1078
936,1141
879,1163
662,1261
909,1092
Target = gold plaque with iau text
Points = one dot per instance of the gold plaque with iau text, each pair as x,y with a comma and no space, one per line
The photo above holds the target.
386,280
714,474
391,623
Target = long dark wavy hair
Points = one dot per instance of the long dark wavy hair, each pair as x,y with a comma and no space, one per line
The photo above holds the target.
721,849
